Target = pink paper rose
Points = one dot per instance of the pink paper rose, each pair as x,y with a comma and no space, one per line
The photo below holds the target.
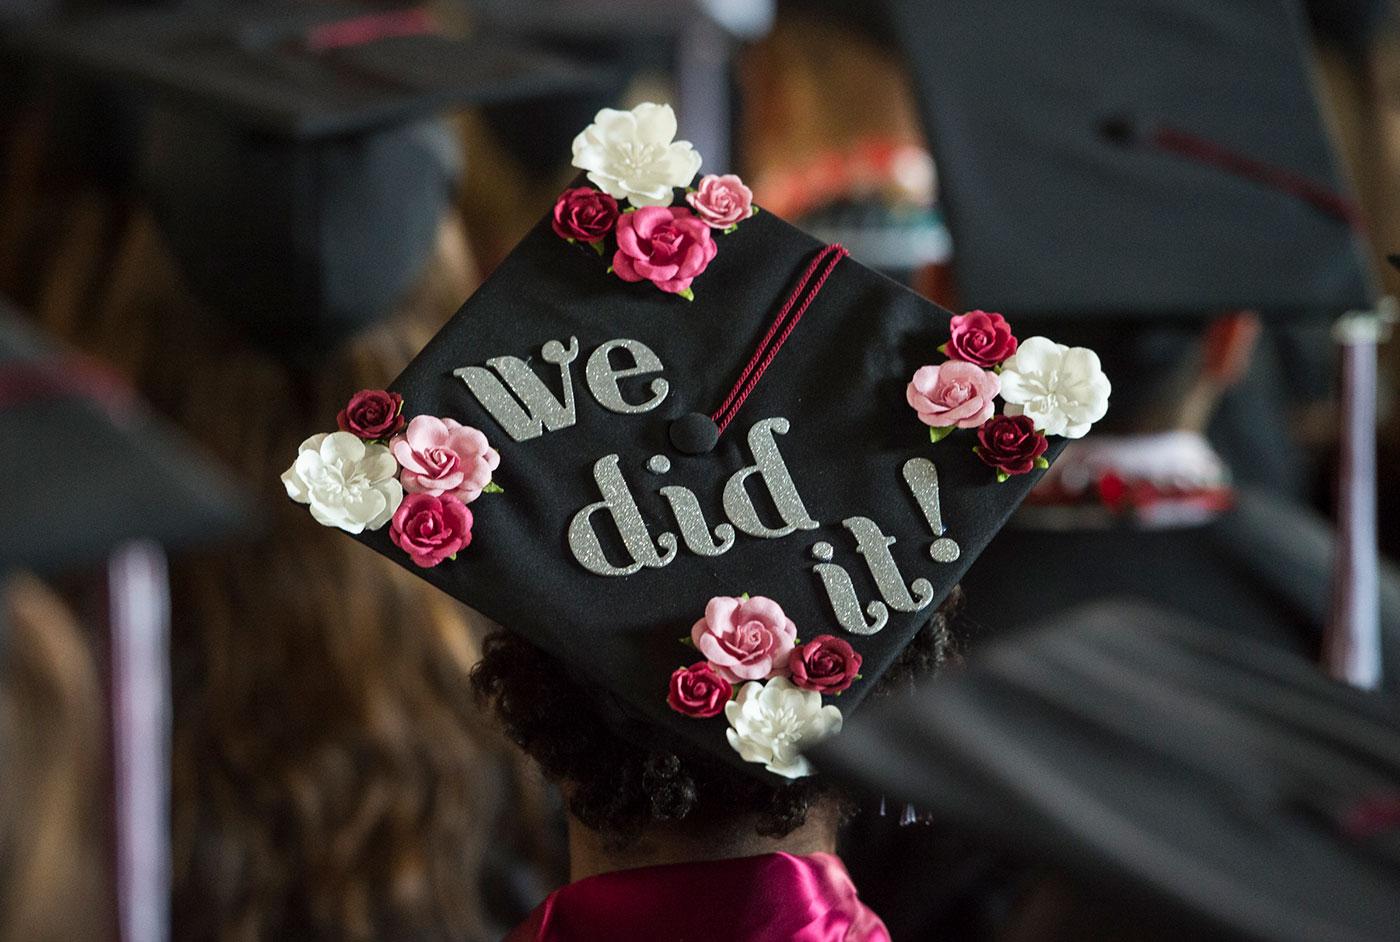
825,664
430,529
721,201
442,456
372,414
953,394
664,245
981,338
584,214
745,639
699,691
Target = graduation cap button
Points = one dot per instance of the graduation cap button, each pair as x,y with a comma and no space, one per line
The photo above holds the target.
694,434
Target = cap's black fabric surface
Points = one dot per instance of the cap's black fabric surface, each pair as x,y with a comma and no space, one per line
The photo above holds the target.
839,380
252,64
84,477
1050,217
1229,779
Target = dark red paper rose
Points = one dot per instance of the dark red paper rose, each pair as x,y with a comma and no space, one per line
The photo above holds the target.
981,338
825,664
1011,444
585,214
430,529
698,691
371,414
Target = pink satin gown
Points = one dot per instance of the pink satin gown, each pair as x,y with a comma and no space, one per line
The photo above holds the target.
770,898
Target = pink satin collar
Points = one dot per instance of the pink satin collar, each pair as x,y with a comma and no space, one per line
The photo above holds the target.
770,898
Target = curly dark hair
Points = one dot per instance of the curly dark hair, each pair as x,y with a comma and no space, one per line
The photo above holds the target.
618,788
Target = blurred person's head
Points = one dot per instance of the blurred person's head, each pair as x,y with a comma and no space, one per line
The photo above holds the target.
52,871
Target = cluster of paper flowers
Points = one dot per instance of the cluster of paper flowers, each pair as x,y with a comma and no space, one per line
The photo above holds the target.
417,476
1047,387
750,644
633,156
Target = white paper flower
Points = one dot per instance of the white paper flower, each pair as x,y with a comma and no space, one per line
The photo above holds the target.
632,155
774,723
349,483
1062,388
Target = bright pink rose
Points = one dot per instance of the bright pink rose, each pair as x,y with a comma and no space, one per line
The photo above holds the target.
441,456
825,664
953,393
585,214
430,529
372,414
981,338
664,245
745,639
721,201
698,690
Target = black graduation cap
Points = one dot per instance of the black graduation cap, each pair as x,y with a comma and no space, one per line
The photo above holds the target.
625,510
1261,569
1149,158
89,468
300,70
1229,780
298,171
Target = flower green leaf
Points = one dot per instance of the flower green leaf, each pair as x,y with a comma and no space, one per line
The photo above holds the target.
744,597
943,349
733,228
936,433
597,246
1003,477
687,294
1041,463
493,488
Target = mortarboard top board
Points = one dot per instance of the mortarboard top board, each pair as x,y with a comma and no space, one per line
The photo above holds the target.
1231,782
294,164
1141,159
301,70
90,469
621,519
571,20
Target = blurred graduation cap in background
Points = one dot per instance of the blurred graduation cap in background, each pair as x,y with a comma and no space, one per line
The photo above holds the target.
98,484
296,163
90,469
1131,171
1148,159
1225,787
691,43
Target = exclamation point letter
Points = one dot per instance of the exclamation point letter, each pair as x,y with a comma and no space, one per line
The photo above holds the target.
922,478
